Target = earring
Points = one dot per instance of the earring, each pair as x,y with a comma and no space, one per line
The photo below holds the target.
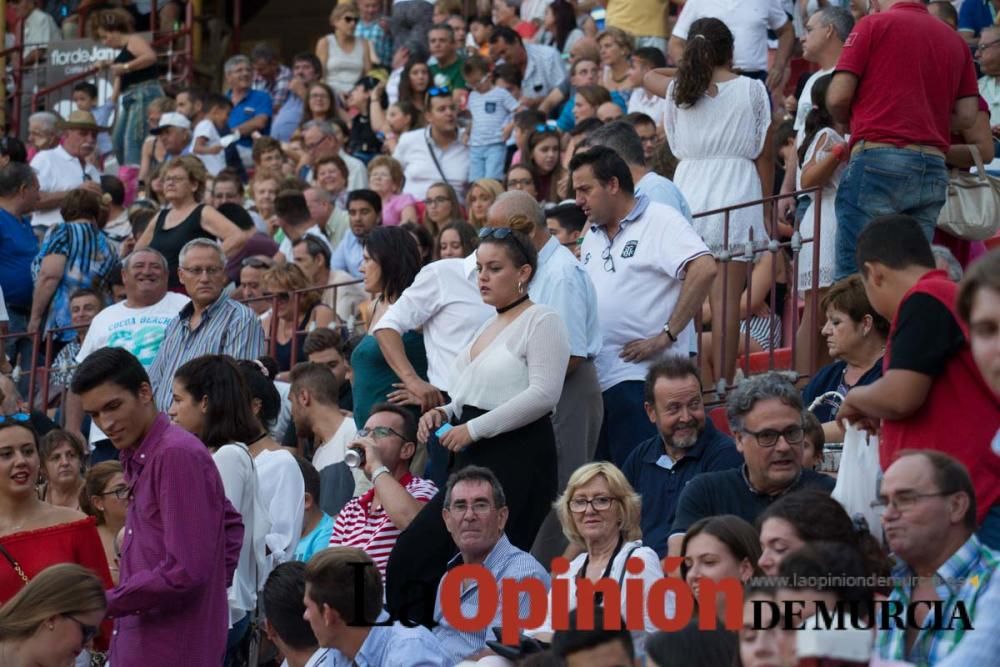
52,626
520,288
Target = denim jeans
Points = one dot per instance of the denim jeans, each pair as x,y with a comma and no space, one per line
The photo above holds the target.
625,422
487,161
130,129
885,181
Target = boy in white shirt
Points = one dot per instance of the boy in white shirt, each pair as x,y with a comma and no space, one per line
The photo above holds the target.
208,145
492,108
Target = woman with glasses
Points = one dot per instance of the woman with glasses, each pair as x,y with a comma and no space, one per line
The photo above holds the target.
544,157
345,57
385,177
321,104
599,513
62,455
505,384
212,401
390,263
441,208
35,534
522,177
53,619
184,218
105,497
294,319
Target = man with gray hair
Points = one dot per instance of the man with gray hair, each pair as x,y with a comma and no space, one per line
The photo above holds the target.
622,138
211,323
826,31
269,75
137,324
42,133
320,139
252,109
561,283
765,414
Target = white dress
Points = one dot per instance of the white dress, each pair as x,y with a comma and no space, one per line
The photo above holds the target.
717,140
820,147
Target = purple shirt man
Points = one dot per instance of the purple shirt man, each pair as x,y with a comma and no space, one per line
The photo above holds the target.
182,537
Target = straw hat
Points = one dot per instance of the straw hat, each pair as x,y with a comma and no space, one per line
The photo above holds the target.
81,120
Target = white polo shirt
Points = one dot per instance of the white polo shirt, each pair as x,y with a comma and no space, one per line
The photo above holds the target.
748,20
58,171
420,169
638,287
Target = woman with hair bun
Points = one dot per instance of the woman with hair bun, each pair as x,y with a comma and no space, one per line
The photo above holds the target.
717,123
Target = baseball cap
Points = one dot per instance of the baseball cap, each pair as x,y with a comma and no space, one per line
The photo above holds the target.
172,119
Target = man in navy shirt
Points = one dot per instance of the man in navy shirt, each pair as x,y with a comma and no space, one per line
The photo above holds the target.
252,109
18,246
974,16
765,414
686,445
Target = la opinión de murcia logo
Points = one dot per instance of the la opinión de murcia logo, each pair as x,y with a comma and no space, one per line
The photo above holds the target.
655,601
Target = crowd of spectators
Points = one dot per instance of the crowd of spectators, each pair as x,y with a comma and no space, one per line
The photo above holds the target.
477,289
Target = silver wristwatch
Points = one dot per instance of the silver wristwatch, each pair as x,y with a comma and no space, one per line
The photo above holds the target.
670,334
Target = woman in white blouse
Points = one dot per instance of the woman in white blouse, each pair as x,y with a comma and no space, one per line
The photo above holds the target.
505,384
211,400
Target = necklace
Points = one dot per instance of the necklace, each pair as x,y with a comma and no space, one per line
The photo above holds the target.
513,304
258,438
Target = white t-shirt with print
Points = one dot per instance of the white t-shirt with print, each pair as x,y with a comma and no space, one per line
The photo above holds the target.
213,163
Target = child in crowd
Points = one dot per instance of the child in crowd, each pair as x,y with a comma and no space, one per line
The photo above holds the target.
85,99
525,123
478,38
362,141
208,134
491,108
401,117
508,77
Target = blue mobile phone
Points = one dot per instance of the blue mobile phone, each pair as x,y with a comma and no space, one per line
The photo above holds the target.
444,429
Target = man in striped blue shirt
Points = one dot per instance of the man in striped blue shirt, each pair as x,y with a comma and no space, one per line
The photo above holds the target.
475,511
211,324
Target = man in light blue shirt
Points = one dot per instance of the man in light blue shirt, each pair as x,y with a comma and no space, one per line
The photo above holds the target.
624,140
561,283
306,69
365,210
333,597
475,511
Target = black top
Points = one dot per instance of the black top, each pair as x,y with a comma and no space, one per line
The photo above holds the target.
926,336
729,492
170,241
133,77
831,378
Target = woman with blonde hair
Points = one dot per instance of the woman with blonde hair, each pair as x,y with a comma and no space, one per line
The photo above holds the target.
479,198
281,282
385,177
345,57
184,218
599,512
53,618
105,497
616,47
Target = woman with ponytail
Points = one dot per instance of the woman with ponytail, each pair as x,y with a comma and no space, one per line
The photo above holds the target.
717,123
53,618
823,156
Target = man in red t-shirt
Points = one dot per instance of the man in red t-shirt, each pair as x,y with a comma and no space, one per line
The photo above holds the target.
931,394
904,81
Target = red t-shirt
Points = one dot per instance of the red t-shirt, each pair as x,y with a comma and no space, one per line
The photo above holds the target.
911,68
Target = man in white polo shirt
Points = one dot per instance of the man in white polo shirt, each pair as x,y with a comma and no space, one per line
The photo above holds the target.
436,152
65,168
652,273
749,21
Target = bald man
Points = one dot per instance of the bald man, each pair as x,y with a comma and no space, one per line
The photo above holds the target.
561,283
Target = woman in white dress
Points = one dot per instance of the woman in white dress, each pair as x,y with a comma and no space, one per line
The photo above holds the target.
823,156
717,123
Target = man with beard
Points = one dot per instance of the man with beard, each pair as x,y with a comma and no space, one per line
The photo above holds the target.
686,445
765,415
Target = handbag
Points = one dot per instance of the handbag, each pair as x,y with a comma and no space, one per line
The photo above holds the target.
971,209
858,478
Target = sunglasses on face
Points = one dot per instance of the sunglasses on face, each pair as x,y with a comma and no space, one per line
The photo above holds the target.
351,19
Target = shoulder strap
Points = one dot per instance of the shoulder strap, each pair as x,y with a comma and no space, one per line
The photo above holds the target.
621,577
14,564
430,149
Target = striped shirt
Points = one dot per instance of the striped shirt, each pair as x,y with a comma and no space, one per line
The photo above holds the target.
226,327
360,524
505,562
490,112
961,578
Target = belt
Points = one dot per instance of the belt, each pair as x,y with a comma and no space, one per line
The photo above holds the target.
916,148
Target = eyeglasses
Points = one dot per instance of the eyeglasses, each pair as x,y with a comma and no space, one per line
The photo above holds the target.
280,296
438,91
119,492
600,504
88,631
609,261
514,183
983,47
256,263
793,435
479,507
905,501
16,418
436,201
199,271
176,179
379,432
500,233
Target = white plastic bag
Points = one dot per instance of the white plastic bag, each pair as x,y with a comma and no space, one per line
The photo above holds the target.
857,479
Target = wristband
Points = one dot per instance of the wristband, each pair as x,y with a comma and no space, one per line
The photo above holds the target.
379,471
